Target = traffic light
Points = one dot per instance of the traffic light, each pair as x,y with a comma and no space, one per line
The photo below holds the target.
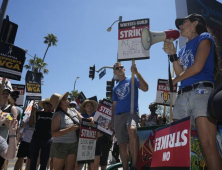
109,88
92,72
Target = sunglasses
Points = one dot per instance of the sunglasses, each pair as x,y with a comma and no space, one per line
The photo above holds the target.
120,67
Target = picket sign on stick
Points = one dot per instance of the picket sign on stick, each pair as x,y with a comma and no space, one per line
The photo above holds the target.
171,101
132,91
34,113
171,94
2,88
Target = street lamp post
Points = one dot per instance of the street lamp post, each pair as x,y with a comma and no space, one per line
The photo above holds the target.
108,30
75,83
74,97
120,20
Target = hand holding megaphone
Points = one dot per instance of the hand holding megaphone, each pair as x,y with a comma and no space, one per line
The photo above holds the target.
168,47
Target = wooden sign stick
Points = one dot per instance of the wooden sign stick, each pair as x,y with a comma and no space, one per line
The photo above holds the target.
132,91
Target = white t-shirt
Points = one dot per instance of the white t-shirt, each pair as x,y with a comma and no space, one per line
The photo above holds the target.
28,132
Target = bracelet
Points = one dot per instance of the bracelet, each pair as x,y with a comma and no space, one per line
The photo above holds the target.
173,57
12,136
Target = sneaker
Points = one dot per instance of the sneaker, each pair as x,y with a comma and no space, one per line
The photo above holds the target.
133,168
112,161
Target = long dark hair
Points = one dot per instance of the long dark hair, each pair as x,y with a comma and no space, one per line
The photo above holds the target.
58,107
200,28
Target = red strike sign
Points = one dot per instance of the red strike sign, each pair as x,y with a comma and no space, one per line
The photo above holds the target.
106,110
172,146
88,133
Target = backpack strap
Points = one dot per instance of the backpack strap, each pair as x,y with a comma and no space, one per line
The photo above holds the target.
75,122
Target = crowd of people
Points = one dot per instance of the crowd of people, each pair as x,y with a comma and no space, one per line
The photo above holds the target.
50,134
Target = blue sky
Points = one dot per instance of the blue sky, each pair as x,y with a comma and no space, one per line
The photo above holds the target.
83,41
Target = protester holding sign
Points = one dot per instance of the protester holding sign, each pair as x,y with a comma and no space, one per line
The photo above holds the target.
10,111
195,67
6,107
88,109
65,122
42,133
122,120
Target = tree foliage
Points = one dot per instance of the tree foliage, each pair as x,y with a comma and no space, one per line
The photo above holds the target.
74,94
50,40
37,64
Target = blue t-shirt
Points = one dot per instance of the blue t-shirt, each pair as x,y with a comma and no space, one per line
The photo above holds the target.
187,56
84,115
122,95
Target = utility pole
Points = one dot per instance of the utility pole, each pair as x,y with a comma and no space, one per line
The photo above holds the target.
2,14
2,11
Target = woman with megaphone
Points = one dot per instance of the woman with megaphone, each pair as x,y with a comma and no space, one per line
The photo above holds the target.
196,67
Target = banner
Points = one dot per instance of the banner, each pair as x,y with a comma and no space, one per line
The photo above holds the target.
103,117
196,153
172,146
163,92
80,99
129,40
87,142
21,89
33,86
146,137
12,59
211,11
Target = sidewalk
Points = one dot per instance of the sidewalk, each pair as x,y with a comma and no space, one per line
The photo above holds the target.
11,163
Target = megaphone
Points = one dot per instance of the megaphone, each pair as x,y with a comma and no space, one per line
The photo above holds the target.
149,38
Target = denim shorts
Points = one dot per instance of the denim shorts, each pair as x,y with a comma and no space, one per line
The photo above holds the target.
121,122
193,104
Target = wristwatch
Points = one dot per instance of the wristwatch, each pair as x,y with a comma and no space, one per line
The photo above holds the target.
12,136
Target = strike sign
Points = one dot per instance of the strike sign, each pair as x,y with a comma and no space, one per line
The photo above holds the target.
129,40
163,92
172,146
12,59
33,86
87,142
103,116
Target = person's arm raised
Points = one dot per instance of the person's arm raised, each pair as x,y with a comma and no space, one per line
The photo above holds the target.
169,48
143,84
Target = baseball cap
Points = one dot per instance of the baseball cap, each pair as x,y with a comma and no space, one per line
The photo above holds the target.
192,17
73,102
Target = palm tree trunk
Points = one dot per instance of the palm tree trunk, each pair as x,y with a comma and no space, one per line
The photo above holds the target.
44,55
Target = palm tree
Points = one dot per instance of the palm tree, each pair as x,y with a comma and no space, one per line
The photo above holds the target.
73,94
37,64
51,40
